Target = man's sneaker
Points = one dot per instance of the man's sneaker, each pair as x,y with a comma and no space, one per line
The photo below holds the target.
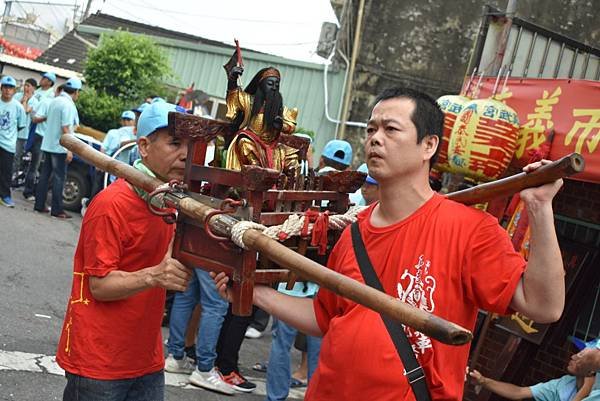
7,201
239,382
183,365
211,380
84,206
251,332
29,198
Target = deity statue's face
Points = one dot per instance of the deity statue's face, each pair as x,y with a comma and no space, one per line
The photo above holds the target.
270,84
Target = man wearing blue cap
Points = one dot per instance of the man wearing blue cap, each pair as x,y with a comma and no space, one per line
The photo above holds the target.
61,118
12,118
28,102
368,192
46,83
111,346
336,156
115,138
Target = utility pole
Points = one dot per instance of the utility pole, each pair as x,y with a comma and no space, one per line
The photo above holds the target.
355,50
87,9
511,9
6,14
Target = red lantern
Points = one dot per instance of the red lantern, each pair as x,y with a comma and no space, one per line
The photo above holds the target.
483,139
451,105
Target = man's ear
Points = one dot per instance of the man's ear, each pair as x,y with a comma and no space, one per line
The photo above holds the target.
143,144
430,145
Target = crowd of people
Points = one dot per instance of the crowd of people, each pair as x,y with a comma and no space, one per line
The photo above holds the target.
435,254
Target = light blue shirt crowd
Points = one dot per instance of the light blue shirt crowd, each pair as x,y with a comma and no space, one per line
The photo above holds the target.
114,138
12,118
61,113
32,102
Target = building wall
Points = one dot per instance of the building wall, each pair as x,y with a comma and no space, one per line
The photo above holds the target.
427,44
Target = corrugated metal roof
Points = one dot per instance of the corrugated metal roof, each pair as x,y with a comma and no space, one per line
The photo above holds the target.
37,66
301,84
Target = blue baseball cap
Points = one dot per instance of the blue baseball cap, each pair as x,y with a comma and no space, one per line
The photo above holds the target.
154,117
50,75
338,150
128,115
364,169
141,107
73,83
7,80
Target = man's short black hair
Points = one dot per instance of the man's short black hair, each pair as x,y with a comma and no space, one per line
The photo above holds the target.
31,82
69,90
427,116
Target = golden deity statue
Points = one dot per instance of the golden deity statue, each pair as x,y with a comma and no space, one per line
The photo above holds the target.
259,117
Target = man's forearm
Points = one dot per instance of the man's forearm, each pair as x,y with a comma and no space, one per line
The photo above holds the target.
297,312
506,390
543,281
119,284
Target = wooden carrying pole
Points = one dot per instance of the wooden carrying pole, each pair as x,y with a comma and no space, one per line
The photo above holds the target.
563,167
433,326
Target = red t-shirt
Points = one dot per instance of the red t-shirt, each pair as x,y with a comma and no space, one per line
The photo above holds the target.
445,258
117,339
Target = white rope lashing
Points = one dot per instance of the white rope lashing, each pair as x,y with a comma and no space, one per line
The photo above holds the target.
292,226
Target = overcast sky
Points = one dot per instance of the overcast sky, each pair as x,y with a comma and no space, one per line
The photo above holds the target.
288,28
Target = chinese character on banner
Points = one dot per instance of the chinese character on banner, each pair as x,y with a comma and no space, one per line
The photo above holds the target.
586,132
533,133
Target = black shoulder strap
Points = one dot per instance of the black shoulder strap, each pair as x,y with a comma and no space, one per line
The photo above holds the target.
412,370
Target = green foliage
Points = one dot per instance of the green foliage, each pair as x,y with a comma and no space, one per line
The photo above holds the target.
127,66
99,110
120,73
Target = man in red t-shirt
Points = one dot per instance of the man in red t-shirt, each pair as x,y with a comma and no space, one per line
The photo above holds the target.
435,254
111,345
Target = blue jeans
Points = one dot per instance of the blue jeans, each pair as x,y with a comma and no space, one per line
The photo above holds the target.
279,371
150,387
54,165
34,165
201,289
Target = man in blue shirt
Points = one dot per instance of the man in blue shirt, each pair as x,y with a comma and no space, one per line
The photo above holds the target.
38,117
45,90
115,138
61,118
12,118
28,101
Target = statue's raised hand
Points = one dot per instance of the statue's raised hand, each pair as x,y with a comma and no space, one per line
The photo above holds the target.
236,72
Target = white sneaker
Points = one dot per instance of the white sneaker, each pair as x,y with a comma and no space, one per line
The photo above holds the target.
84,206
251,332
211,380
184,365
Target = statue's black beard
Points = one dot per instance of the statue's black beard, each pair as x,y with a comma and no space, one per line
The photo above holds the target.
273,103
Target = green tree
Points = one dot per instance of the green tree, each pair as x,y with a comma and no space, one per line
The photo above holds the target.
120,73
127,66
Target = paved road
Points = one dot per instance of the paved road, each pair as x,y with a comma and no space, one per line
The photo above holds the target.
36,254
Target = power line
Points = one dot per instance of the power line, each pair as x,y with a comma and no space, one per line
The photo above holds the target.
220,17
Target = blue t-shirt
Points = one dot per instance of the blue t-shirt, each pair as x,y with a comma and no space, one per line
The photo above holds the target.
112,142
301,289
41,94
12,118
32,102
61,113
561,389
41,110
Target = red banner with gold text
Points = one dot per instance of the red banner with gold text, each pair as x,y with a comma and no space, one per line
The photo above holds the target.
569,107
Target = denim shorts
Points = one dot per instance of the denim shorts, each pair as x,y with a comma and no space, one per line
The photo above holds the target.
150,387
